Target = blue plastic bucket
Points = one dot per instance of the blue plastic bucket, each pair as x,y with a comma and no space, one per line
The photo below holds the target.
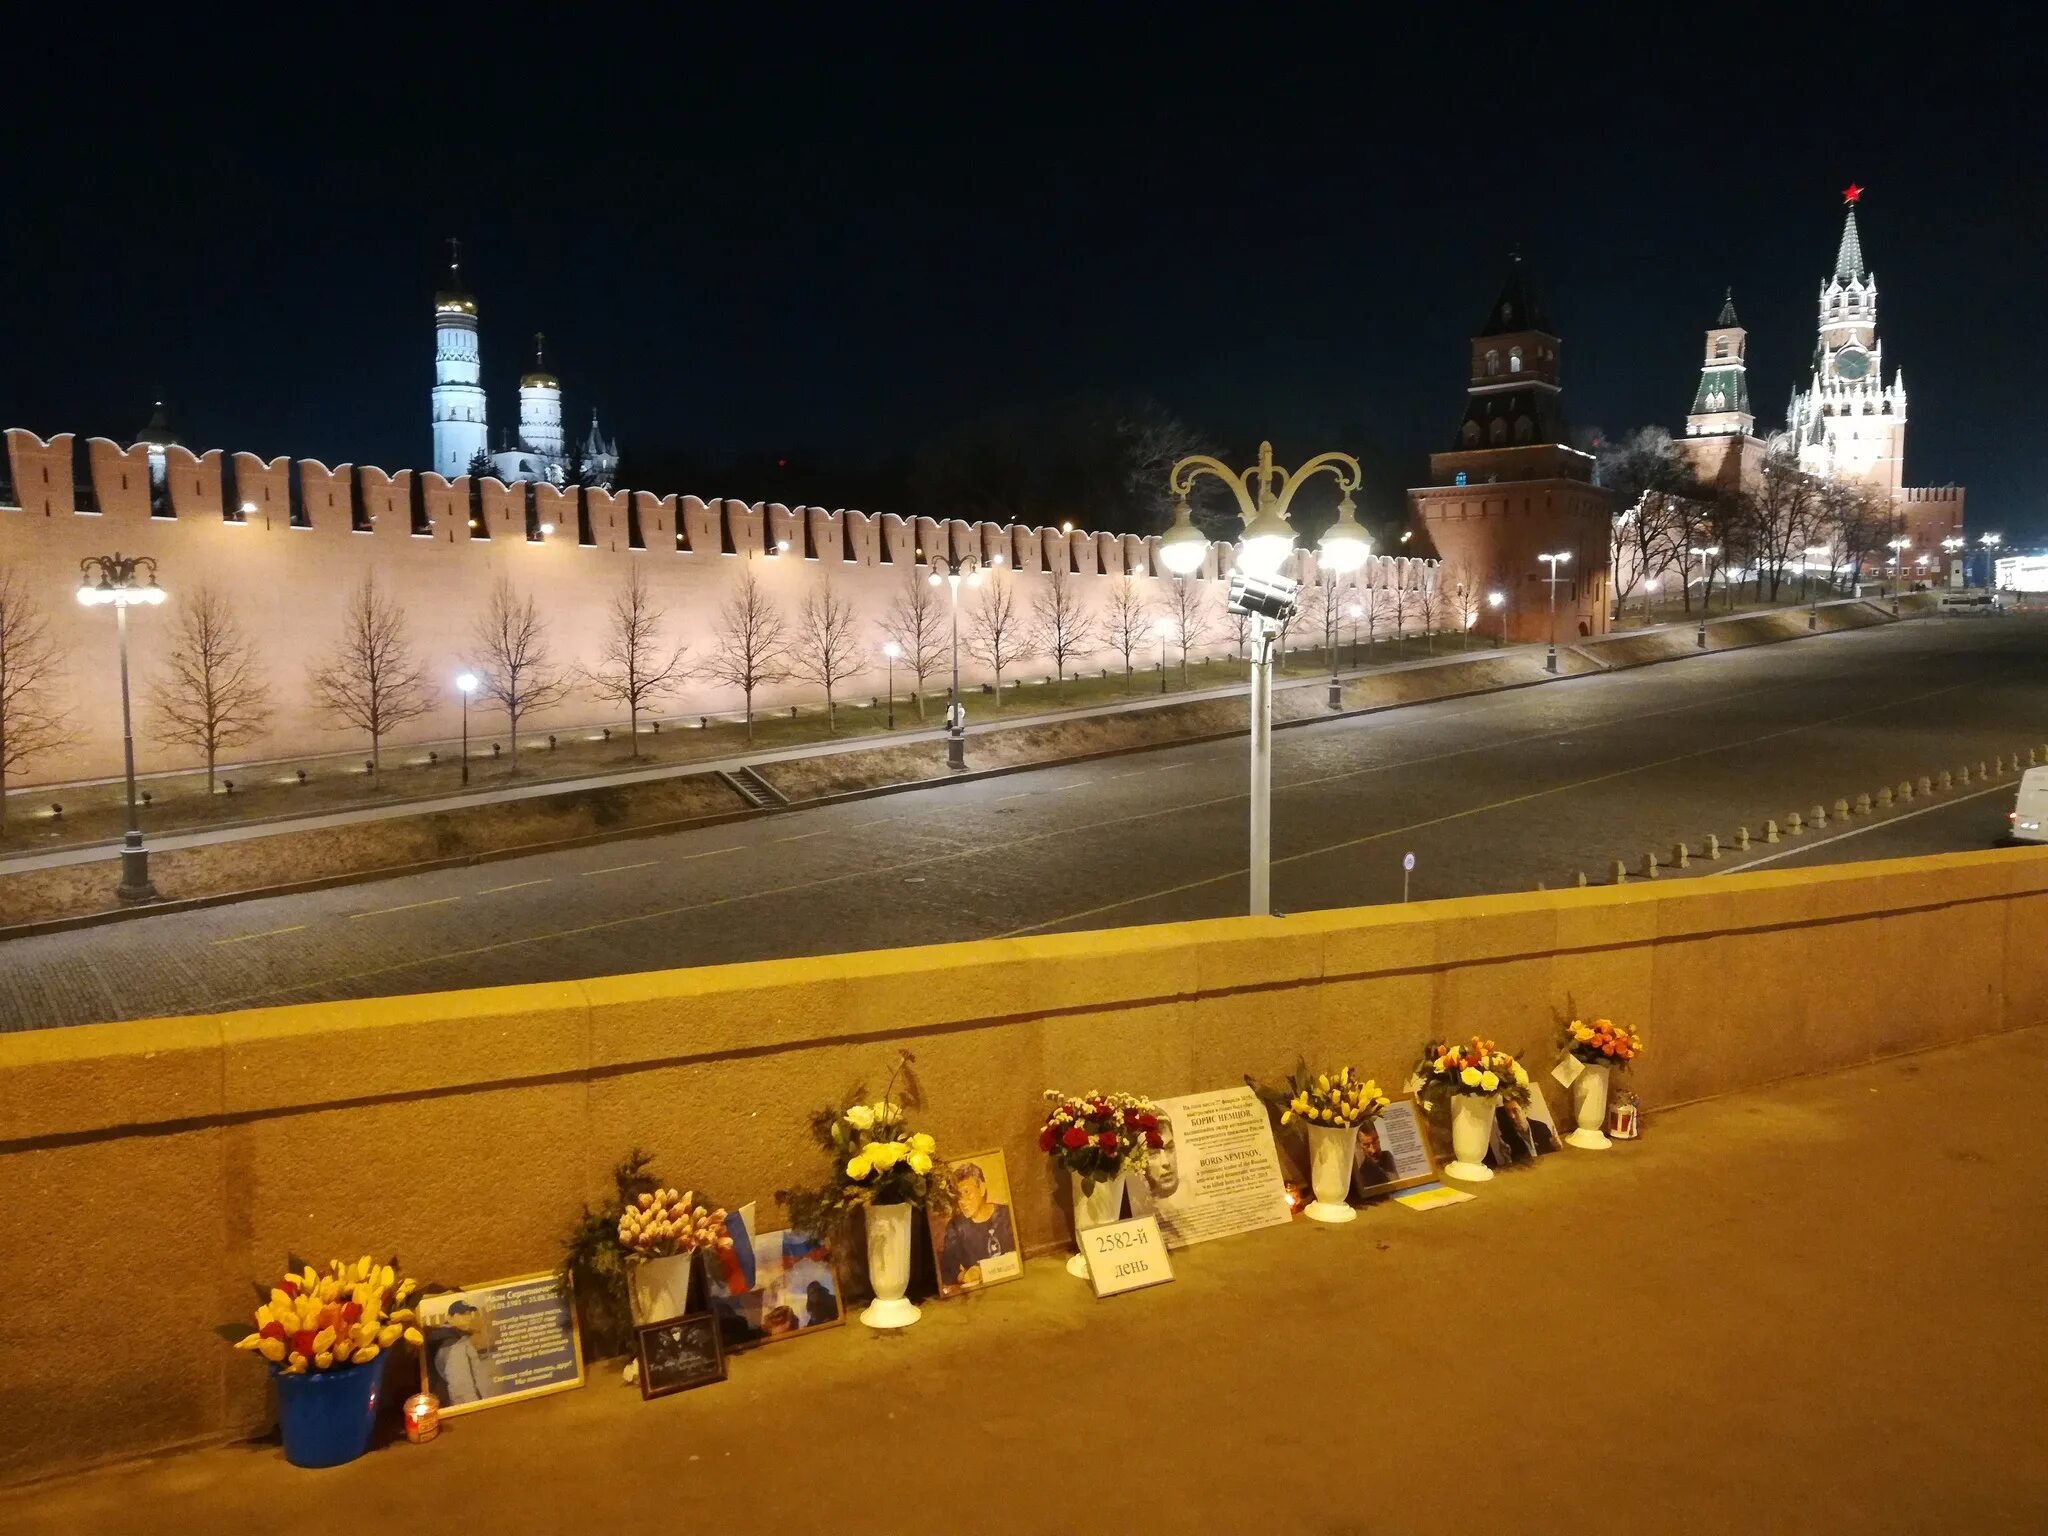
327,1416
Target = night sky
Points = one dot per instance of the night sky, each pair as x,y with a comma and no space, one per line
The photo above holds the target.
834,246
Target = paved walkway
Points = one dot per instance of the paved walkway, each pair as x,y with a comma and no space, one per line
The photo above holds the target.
1809,1309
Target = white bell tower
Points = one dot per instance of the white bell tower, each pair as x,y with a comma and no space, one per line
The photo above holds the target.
540,407
461,424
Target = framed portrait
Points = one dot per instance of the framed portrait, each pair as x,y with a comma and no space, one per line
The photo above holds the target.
499,1343
1393,1152
679,1354
783,1283
976,1245
1522,1132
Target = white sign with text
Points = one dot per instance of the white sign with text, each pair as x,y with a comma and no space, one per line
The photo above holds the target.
1126,1256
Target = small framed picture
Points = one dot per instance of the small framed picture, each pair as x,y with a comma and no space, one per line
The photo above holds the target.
682,1353
498,1343
782,1284
1522,1132
1394,1152
976,1245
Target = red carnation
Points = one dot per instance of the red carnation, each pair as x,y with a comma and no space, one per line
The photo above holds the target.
1130,1117
1154,1140
1045,1139
1149,1122
1075,1138
1106,1141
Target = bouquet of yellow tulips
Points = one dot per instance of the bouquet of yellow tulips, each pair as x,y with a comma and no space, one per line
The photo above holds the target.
348,1316
1342,1097
1603,1043
1476,1066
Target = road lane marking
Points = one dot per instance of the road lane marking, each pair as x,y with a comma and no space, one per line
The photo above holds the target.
621,868
821,881
798,837
438,901
1022,794
268,933
517,885
707,853
1476,810
1871,826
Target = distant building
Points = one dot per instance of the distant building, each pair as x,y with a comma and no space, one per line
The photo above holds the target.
1511,488
461,411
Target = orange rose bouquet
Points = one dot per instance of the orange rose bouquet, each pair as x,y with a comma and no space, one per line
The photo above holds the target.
1603,1043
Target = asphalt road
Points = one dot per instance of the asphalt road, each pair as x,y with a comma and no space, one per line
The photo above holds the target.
1491,794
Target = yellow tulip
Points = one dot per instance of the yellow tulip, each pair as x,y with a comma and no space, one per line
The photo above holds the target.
414,1336
324,1359
323,1340
249,1341
342,1349
366,1354
271,1350
389,1335
1286,1115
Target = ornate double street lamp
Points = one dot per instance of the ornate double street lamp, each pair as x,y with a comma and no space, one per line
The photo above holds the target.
112,581
951,573
1257,590
1554,561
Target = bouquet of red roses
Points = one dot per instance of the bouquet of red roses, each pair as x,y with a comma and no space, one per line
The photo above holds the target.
1097,1136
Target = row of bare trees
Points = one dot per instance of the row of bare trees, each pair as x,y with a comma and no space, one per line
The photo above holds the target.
210,693
1663,513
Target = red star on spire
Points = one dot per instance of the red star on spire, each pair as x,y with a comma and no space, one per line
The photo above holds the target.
1852,193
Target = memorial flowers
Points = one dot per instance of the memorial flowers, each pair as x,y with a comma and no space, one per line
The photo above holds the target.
1098,1137
661,1224
347,1316
1476,1066
1340,1098
877,1159
1603,1043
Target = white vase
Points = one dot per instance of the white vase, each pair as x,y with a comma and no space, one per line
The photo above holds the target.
1589,1108
1097,1208
1471,1132
660,1288
889,1266
1330,1149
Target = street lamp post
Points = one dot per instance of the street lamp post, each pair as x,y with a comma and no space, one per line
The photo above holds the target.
1354,612
1497,601
951,572
1162,628
112,581
892,650
1706,588
1806,579
465,685
1264,493
1563,557
1898,547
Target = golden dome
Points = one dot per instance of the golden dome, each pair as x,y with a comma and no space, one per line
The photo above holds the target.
540,378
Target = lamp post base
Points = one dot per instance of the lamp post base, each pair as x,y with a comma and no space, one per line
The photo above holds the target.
956,750
1336,694
1550,660
135,884
1700,640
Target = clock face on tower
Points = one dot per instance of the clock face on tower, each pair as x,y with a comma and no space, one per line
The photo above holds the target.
1851,364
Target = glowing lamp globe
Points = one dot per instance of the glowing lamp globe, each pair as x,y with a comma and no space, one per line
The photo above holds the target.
1183,548
1344,545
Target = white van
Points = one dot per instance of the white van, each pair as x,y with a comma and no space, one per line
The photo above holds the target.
2029,817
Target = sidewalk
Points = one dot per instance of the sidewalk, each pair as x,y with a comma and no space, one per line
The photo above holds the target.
1806,1309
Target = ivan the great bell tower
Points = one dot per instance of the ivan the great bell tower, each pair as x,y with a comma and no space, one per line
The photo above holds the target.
1848,424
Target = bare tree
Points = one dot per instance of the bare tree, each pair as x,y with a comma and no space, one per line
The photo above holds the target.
373,681
916,621
1856,521
634,668
31,672
828,649
752,648
997,635
212,693
1187,618
1063,629
1652,483
1126,620
513,660
1784,513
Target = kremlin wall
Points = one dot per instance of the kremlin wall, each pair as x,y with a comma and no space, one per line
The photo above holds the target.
286,541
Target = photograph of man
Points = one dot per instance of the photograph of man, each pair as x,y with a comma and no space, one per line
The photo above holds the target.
1162,1164
456,1346
1373,1168
979,1242
1513,1141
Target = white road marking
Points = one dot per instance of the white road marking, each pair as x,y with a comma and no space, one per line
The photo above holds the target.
517,885
1873,826
269,933
619,868
438,901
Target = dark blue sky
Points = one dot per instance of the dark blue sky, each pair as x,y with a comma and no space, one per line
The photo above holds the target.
841,244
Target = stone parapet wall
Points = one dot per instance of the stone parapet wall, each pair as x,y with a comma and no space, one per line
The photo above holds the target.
149,1171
